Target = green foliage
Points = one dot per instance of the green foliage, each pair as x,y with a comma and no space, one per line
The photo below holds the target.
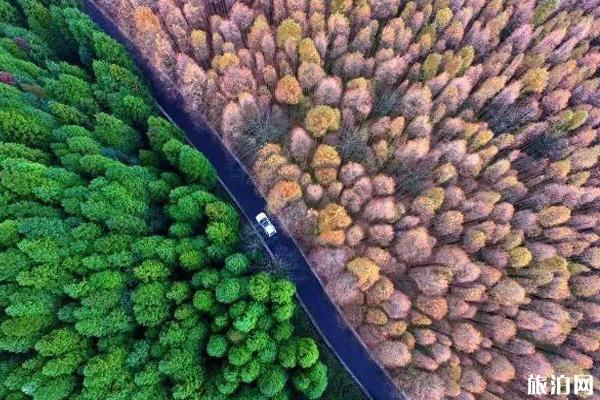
67,115
9,14
73,91
114,82
272,381
288,355
313,381
121,273
204,300
108,50
196,167
39,20
151,270
17,127
114,133
237,264
229,290
222,212
217,346
282,331
308,353
206,278
339,384
9,233
160,131
62,67
82,30
132,110
238,355
259,286
282,291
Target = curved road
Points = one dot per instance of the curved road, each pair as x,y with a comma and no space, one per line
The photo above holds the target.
234,177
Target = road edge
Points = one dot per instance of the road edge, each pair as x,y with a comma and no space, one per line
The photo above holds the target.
163,100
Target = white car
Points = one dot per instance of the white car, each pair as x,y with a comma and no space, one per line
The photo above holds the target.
266,224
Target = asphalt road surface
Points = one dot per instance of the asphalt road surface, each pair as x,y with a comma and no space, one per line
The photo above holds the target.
234,177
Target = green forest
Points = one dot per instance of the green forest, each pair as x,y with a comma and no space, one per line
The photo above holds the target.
122,272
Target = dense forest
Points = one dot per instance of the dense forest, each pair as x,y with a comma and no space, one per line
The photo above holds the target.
122,271
437,159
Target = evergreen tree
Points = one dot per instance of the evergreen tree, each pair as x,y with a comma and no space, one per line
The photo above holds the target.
121,275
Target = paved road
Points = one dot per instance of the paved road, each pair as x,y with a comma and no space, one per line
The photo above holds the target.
234,177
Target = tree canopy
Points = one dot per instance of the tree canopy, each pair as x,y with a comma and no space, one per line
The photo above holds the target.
121,274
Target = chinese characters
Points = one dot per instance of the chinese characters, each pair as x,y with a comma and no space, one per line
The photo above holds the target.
560,385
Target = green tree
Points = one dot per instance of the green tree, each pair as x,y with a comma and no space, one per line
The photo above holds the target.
312,382
10,14
217,346
259,286
229,290
121,271
272,380
72,91
308,353
16,127
116,134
